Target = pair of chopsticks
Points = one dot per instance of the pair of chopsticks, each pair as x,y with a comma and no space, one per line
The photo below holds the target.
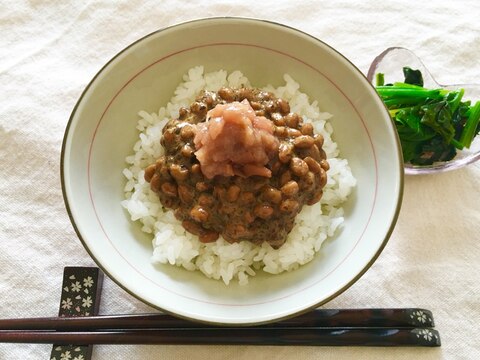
325,327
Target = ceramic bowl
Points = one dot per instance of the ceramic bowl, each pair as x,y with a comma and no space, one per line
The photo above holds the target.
391,62
101,133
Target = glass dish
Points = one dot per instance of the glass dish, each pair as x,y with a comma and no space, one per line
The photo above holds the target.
390,62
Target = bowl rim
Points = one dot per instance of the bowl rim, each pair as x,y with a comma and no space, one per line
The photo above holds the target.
244,19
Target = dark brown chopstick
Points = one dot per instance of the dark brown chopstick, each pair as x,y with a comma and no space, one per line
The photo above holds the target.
321,318
236,336
321,327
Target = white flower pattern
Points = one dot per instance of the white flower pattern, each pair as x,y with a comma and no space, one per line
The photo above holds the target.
88,281
421,316
65,356
76,286
78,299
87,302
67,303
70,352
427,335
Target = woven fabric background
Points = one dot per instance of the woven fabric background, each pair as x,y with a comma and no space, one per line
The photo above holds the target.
49,51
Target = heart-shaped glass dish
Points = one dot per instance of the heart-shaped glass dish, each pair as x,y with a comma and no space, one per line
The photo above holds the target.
390,62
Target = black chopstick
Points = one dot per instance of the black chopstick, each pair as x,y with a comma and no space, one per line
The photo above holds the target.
236,336
320,318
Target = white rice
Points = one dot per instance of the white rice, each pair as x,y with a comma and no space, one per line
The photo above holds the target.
221,260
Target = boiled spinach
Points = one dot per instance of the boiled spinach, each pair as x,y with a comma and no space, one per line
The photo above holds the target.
431,123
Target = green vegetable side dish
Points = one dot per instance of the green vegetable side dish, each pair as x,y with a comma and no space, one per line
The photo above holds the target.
431,123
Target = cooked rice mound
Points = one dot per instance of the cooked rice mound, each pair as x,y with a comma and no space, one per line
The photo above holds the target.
221,260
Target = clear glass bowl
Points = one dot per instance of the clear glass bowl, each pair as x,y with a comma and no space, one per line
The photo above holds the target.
390,62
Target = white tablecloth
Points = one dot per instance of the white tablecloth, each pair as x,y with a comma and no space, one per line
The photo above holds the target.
49,50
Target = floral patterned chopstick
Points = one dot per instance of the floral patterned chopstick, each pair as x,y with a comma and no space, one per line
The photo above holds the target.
235,336
409,318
